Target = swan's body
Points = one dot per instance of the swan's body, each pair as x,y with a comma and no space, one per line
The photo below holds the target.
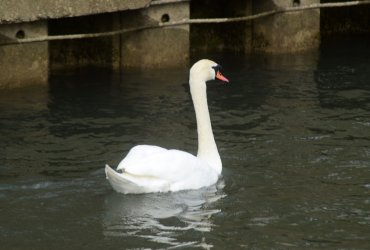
148,169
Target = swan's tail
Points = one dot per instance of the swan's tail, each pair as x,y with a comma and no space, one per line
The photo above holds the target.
119,182
126,183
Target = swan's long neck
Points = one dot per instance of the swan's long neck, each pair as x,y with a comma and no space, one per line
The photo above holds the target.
207,148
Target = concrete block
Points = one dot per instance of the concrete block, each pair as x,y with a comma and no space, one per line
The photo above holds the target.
16,11
155,48
232,37
97,52
26,64
287,32
350,20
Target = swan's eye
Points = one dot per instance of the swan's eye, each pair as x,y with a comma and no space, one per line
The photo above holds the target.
217,68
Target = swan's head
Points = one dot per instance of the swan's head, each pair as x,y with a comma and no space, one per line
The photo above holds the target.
205,70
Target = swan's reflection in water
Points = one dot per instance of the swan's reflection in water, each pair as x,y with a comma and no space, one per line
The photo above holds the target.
163,218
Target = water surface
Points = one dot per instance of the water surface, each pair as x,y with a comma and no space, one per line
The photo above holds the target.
292,131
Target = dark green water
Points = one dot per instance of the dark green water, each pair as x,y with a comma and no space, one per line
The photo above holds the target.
293,133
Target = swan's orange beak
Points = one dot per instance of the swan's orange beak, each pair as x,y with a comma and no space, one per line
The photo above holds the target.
221,77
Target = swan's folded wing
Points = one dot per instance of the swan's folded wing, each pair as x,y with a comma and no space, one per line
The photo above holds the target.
125,183
172,165
139,155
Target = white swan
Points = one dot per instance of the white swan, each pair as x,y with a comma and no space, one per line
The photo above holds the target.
148,169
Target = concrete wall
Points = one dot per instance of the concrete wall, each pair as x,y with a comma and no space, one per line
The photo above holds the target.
351,20
16,11
166,47
30,63
288,32
154,48
27,64
236,37
98,52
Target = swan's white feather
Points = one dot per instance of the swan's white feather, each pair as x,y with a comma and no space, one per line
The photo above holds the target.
125,183
163,170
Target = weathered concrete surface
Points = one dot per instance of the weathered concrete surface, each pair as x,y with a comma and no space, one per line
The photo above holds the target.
349,20
27,64
16,11
167,47
288,32
235,37
155,48
97,52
